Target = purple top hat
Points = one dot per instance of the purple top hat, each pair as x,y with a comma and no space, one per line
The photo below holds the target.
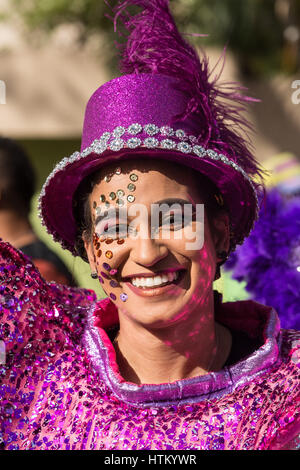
165,108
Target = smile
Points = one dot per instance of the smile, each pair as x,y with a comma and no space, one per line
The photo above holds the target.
158,280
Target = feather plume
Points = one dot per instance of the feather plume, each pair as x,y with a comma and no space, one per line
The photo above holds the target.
154,45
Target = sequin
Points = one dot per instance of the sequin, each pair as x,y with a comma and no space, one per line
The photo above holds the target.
120,202
106,266
112,196
113,272
123,297
109,241
113,283
112,296
118,171
131,187
109,254
120,241
130,198
133,177
120,192
102,198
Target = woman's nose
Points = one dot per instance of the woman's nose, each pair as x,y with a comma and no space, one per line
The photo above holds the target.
148,251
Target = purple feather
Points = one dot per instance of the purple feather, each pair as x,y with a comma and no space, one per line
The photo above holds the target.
269,259
154,45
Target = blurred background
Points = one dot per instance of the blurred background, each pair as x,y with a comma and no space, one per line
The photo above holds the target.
55,53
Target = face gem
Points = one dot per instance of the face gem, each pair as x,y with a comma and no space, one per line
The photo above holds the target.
121,241
133,177
104,275
120,202
113,272
109,240
106,266
99,253
109,254
113,283
118,171
120,192
107,204
130,198
94,204
123,297
100,279
102,198
107,178
131,187
112,296
112,196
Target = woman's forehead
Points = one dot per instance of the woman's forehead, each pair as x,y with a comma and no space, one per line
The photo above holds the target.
146,179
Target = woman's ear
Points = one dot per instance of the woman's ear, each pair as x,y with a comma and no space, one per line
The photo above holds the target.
88,245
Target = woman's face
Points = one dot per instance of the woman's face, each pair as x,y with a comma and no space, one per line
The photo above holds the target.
154,274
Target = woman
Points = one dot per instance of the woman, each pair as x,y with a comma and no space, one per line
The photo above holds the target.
161,363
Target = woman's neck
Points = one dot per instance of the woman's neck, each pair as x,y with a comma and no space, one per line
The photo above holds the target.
188,349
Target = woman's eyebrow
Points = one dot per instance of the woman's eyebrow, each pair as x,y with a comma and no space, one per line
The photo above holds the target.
116,211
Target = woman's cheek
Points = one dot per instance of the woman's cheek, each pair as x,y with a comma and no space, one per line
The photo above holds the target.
107,258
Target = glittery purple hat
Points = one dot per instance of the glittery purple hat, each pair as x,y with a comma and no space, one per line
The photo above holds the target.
164,106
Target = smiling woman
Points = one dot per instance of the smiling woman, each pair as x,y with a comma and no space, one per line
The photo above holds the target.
163,189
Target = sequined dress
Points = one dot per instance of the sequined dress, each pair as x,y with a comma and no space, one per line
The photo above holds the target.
61,388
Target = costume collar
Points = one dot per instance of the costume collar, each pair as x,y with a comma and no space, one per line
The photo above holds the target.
253,318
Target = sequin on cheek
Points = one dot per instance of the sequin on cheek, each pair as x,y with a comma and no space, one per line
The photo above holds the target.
112,296
108,254
106,266
123,297
114,283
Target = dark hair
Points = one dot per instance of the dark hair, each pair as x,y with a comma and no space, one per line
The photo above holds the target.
17,177
82,212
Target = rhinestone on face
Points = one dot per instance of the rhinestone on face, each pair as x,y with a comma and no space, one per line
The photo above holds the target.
120,192
120,241
114,283
108,254
107,204
113,272
106,266
184,147
94,204
118,171
130,198
102,198
107,178
134,142
131,187
123,297
134,129
120,202
112,196
118,131
112,296
168,144
133,177
116,144
166,131
151,142
151,129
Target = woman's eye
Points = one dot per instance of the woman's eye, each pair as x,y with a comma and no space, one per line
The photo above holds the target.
113,230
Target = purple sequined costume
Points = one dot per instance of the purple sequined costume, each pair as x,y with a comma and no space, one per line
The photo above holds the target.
61,388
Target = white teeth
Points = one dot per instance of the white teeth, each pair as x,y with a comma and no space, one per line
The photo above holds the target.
155,280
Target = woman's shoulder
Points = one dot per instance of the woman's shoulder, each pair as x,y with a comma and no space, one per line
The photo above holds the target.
29,304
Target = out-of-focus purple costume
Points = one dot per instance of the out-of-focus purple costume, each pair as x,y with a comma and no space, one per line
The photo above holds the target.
61,389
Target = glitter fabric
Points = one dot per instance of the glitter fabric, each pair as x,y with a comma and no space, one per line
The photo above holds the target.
61,388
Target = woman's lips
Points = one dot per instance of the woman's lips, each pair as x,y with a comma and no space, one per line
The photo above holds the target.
159,290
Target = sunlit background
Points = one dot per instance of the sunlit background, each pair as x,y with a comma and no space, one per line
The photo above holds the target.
55,53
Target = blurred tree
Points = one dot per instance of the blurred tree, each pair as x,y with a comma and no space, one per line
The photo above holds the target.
258,32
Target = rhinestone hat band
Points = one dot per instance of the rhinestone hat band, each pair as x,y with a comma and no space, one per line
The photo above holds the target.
113,141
